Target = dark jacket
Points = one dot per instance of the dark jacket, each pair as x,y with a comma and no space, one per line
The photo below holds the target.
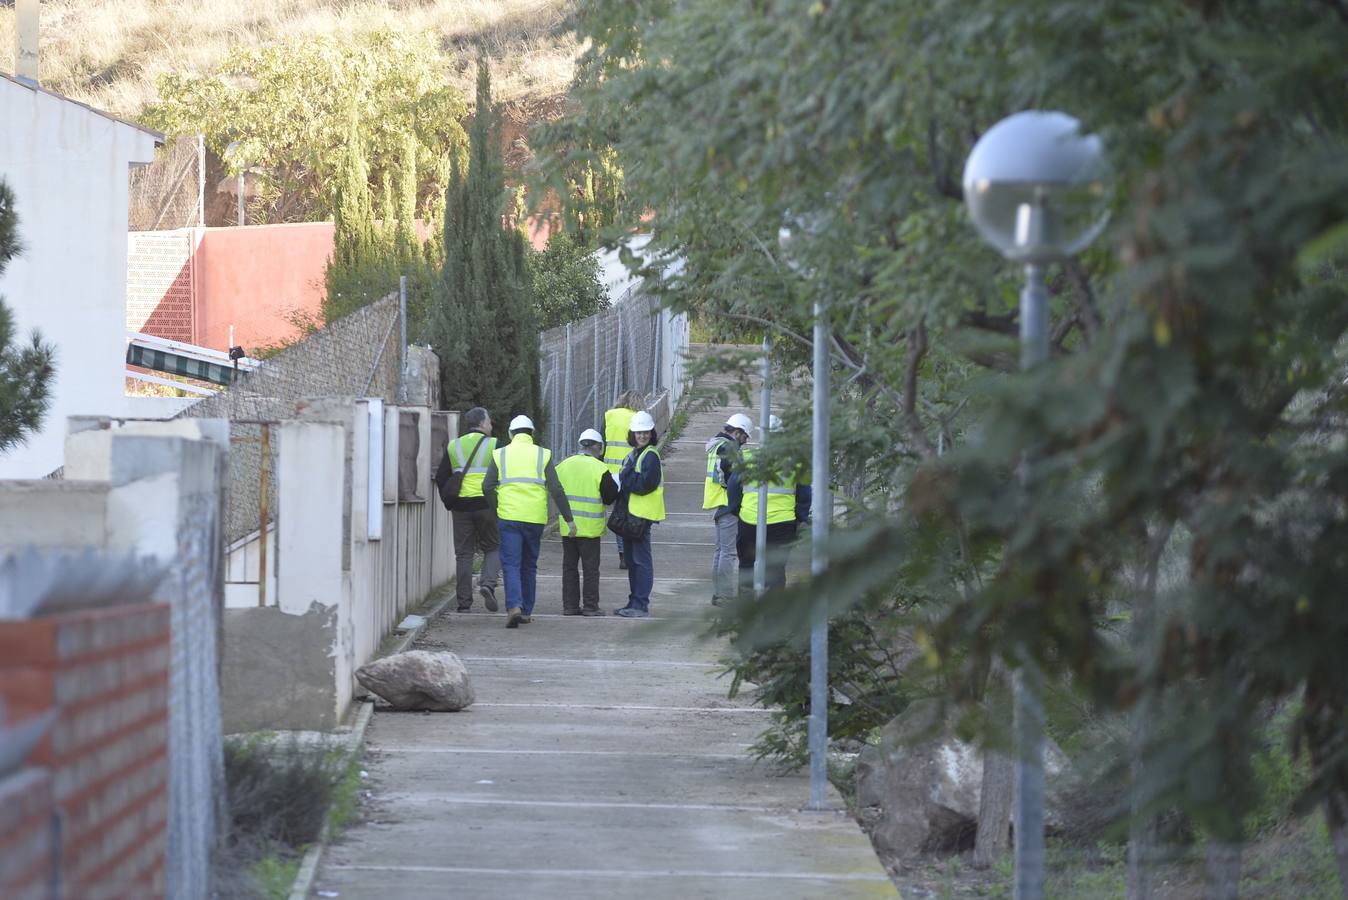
446,469
736,496
631,481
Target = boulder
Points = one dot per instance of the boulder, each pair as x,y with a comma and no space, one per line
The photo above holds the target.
419,680
919,786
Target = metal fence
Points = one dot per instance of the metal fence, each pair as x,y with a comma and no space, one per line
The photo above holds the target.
170,192
633,345
356,356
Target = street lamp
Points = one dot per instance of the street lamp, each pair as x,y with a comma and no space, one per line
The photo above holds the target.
788,239
1036,190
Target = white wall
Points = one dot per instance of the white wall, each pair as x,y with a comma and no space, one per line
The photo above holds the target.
69,169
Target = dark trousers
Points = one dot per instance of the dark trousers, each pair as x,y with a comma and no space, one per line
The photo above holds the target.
780,536
475,530
578,553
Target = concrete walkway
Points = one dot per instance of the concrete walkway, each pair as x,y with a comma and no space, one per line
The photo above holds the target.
602,758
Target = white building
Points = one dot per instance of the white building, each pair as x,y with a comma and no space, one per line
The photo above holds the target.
69,168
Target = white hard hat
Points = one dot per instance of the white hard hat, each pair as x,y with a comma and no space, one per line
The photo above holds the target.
590,434
740,421
774,423
642,421
520,422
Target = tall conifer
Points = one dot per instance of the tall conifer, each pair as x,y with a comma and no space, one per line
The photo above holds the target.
26,369
483,324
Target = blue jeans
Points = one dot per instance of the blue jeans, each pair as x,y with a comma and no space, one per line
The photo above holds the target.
519,563
640,573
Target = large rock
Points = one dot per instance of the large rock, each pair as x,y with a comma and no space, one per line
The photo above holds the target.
919,787
419,680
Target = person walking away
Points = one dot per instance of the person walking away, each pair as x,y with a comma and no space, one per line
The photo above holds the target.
642,482
617,424
520,478
589,488
723,456
788,505
474,521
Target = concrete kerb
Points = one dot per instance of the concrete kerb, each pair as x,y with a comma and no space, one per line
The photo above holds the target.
304,879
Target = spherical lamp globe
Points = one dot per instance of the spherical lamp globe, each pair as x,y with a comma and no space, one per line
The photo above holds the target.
1036,187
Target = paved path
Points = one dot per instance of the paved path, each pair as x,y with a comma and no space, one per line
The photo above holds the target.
601,760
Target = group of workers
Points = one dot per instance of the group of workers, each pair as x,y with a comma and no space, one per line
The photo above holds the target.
503,508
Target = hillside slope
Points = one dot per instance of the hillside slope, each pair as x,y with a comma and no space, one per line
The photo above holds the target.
109,53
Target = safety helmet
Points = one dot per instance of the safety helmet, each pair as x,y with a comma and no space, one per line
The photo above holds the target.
590,436
740,421
642,421
519,423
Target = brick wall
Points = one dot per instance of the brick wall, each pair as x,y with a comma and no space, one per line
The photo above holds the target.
159,284
106,670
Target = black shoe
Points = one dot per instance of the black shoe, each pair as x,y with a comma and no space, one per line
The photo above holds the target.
588,612
465,607
488,597
571,612
622,563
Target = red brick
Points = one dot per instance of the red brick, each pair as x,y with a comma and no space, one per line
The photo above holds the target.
68,637
88,861
93,810
77,778
24,796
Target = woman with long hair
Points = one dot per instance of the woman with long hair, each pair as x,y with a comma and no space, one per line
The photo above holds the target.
641,483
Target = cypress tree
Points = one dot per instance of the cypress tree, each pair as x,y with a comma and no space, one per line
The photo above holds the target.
26,369
482,322
363,267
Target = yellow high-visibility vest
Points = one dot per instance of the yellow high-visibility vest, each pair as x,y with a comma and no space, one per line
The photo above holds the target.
781,499
648,506
617,422
460,450
522,492
713,492
581,476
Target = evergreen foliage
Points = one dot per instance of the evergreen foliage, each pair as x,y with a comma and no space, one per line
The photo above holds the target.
566,281
482,322
1189,478
26,369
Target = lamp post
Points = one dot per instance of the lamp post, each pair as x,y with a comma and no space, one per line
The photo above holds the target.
1035,189
787,239
761,529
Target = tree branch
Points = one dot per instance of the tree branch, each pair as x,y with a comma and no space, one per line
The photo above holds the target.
941,180
917,350
1083,295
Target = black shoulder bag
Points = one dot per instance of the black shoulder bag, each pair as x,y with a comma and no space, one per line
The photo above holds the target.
450,485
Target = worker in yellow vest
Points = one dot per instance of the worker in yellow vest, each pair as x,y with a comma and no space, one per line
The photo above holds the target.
520,479
723,455
474,521
788,504
616,427
642,482
589,488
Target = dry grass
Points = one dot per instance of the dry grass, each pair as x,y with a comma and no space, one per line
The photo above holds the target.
109,53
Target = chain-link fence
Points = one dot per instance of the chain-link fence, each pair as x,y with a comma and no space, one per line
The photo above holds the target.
634,345
356,356
170,192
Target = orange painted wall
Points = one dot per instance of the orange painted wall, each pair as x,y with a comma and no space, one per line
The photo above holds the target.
258,276
254,278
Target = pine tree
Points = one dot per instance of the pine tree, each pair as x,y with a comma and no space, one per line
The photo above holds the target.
26,370
482,322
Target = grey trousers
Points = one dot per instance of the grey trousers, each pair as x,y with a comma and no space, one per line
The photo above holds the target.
724,559
475,530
